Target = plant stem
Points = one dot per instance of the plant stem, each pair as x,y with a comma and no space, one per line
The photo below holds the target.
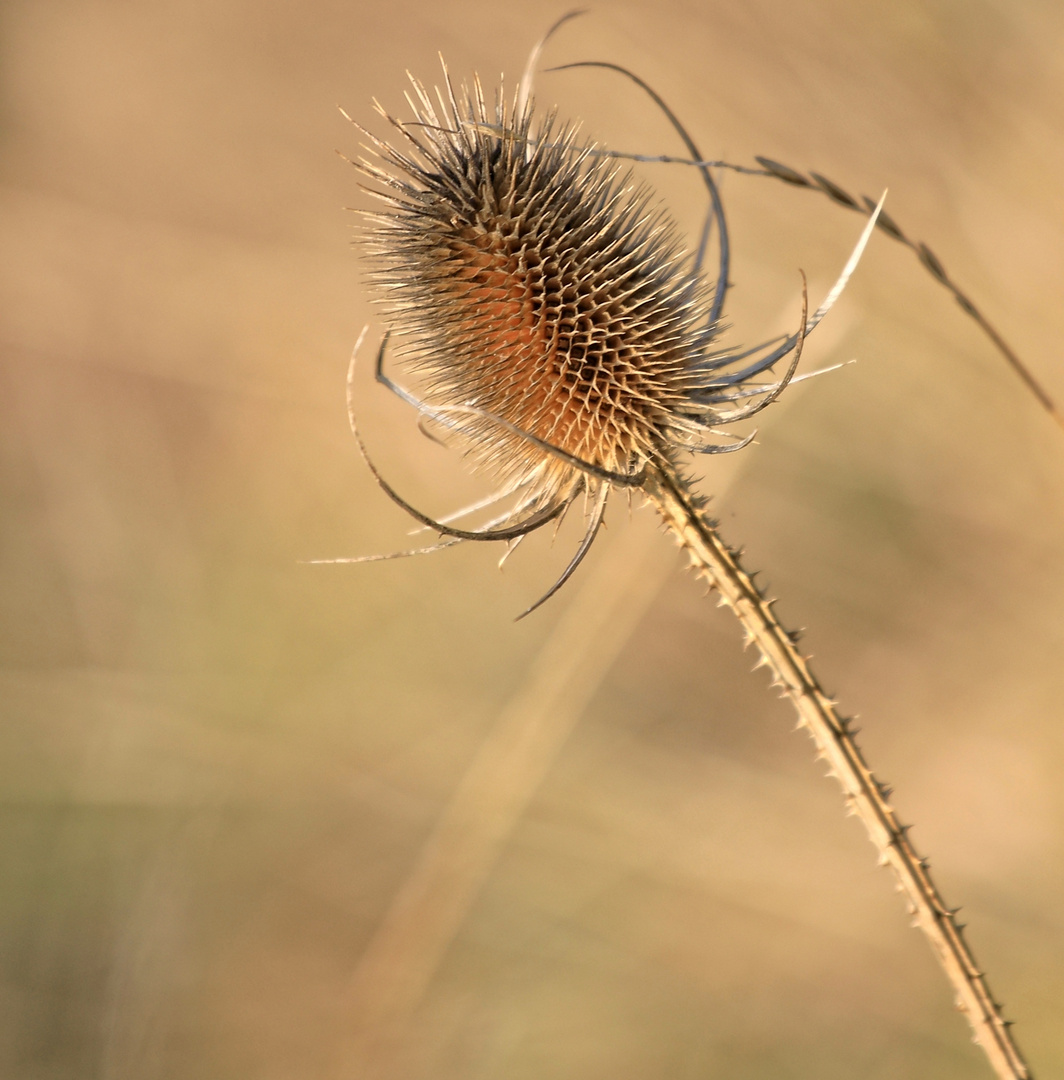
865,796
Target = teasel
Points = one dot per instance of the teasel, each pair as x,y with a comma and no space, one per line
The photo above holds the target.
566,339
570,347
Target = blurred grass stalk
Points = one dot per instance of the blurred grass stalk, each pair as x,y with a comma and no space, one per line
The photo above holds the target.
430,906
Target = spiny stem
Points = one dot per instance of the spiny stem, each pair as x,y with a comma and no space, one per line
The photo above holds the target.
865,796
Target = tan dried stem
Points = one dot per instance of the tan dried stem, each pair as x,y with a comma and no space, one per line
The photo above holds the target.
865,795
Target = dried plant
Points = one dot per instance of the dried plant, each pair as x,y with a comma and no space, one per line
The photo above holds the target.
569,347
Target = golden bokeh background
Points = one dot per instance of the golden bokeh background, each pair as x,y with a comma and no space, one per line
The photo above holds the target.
263,819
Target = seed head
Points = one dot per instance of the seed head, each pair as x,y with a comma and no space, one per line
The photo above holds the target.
535,284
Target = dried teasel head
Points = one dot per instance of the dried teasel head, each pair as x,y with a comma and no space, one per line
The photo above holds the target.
530,279
565,338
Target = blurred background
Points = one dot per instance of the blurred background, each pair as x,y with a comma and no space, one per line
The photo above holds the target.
271,820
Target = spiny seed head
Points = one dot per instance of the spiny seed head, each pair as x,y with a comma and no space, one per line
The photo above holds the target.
532,282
